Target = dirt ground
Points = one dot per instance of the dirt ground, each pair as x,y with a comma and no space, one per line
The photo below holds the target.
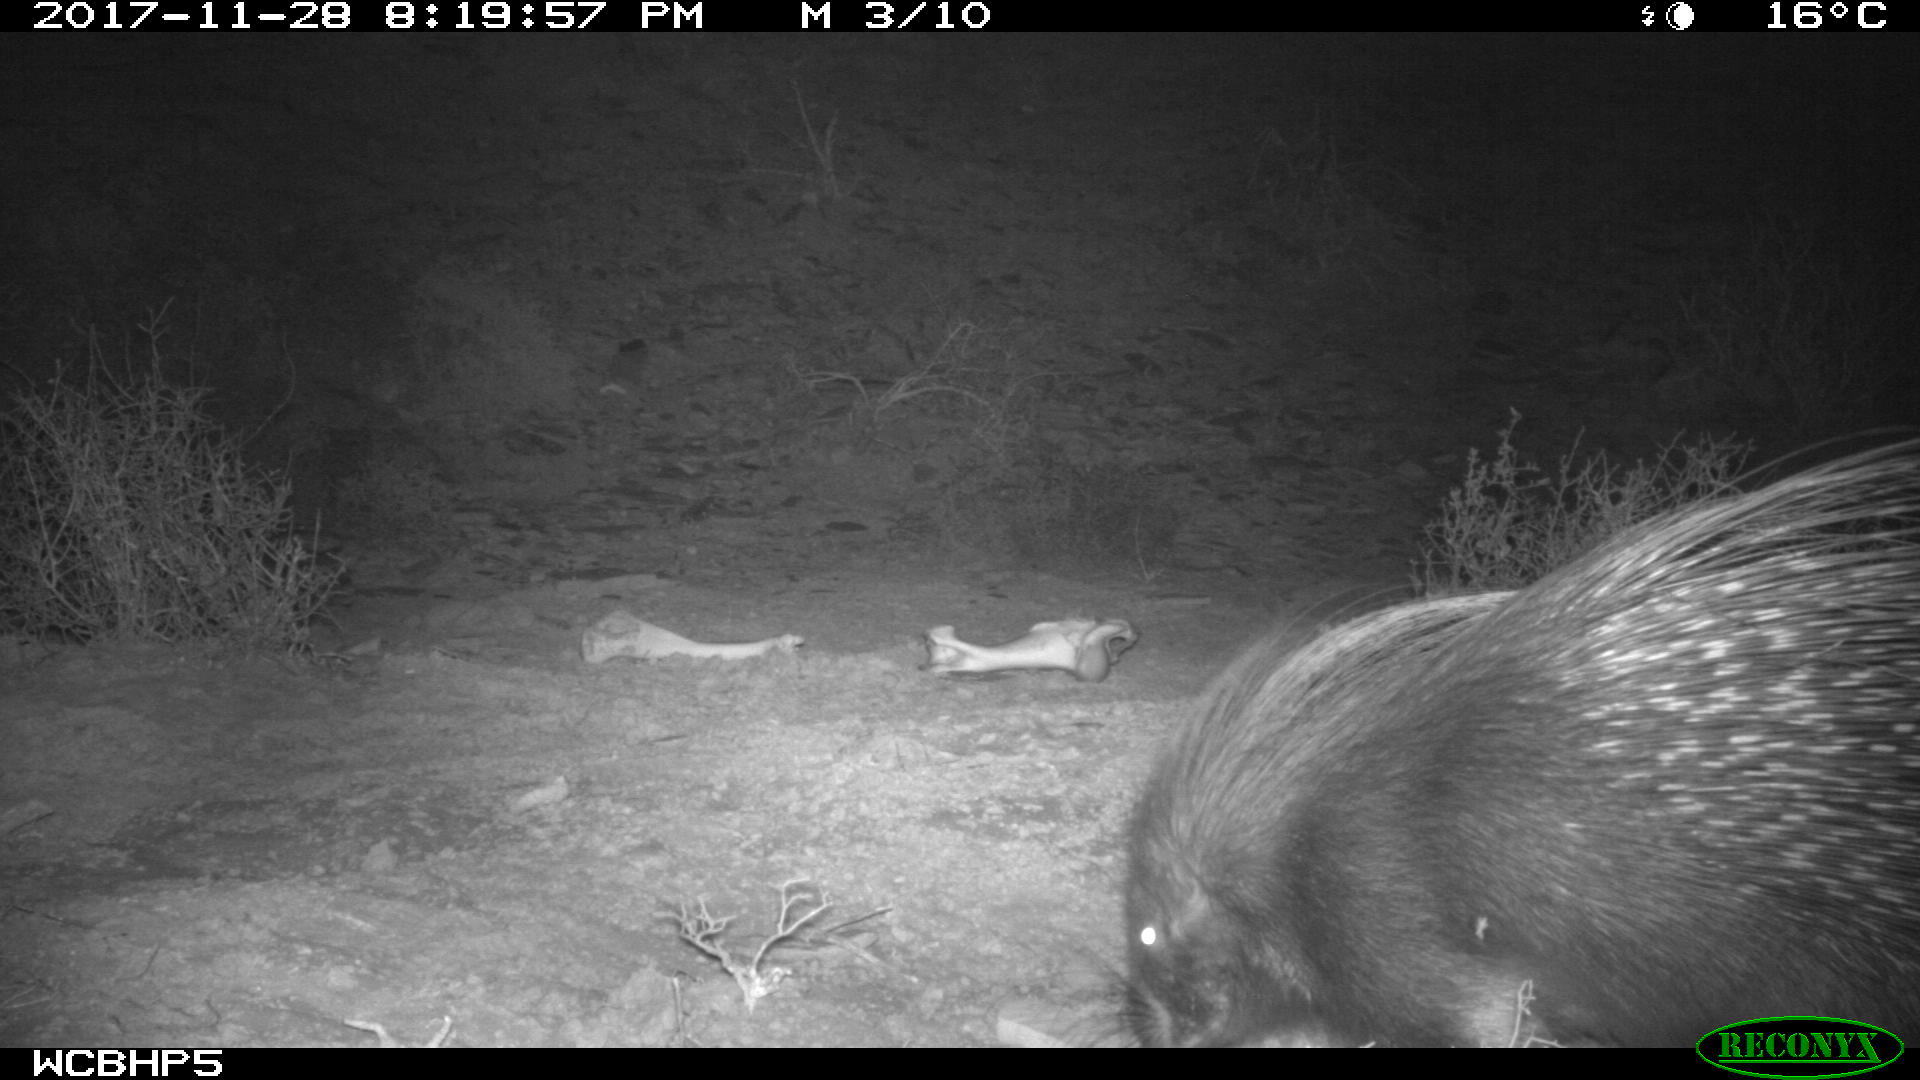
543,330
245,855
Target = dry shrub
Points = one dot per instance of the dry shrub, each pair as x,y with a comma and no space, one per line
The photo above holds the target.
125,511
1510,522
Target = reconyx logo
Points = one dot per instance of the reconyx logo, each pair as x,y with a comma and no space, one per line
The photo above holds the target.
1799,1047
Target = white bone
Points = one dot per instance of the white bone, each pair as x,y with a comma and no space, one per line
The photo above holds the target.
1081,646
625,634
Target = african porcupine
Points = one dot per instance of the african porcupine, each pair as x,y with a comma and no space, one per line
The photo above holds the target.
1674,784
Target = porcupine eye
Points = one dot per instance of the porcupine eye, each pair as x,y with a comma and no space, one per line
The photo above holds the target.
1159,1012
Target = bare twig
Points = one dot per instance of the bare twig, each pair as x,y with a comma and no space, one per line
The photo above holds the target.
388,1042
821,143
800,902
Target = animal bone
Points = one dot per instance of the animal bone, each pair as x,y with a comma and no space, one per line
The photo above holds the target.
1084,647
625,634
